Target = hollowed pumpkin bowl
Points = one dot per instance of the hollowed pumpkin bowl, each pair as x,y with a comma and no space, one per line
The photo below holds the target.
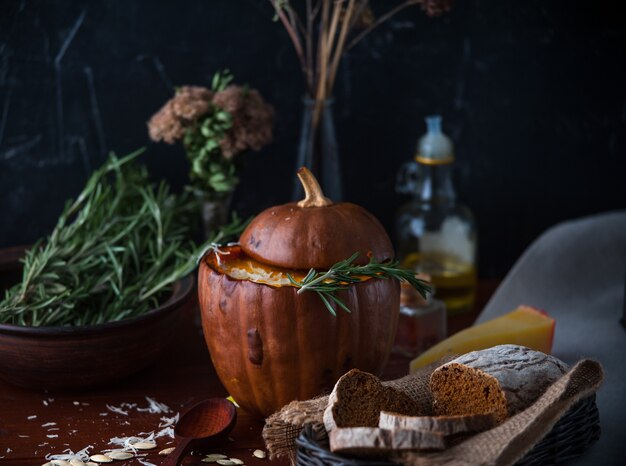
271,345
85,356
273,341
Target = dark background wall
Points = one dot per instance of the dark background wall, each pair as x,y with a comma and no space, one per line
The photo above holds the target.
533,94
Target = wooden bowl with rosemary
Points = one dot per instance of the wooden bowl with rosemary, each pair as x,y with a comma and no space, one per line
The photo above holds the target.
103,294
73,357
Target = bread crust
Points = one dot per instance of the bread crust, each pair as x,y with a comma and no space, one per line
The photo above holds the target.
503,380
446,425
367,441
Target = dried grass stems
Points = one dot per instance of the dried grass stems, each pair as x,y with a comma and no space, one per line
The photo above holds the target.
328,30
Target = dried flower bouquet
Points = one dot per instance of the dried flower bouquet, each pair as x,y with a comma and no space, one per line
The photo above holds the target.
215,126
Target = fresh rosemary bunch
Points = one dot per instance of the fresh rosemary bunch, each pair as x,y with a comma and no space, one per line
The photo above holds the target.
114,253
327,283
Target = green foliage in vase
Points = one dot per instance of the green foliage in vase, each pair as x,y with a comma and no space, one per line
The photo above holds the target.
214,125
211,172
114,254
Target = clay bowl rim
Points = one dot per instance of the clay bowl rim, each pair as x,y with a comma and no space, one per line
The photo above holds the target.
182,291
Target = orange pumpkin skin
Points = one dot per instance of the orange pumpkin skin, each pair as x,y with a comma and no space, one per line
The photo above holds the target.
270,345
331,234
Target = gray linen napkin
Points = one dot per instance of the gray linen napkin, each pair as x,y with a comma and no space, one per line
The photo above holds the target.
576,271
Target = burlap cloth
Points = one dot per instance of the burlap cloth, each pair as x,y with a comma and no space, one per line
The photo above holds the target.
502,445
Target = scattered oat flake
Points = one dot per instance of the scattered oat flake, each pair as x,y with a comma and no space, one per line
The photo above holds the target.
23,436
30,418
169,421
236,460
166,451
155,407
75,403
133,443
117,410
69,455
226,462
52,435
167,432
259,454
48,424
104,414
145,462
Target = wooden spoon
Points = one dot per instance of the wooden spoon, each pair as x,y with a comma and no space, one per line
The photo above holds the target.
207,420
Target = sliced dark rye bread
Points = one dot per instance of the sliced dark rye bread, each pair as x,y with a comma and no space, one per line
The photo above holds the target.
373,441
359,397
445,425
503,380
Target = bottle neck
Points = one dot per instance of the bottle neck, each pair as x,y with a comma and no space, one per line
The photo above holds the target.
435,184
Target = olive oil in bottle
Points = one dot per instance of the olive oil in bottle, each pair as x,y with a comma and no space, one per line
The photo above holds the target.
435,234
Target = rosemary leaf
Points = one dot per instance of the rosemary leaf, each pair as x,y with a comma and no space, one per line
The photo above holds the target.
337,278
329,306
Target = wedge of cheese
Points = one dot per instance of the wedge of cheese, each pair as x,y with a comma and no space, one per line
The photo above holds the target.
525,326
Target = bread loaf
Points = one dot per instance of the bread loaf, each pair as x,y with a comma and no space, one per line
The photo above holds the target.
502,380
445,425
368,441
358,398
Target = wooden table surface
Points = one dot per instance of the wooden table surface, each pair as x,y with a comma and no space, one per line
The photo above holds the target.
34,424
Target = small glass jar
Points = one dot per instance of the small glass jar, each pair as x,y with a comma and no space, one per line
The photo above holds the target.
422,322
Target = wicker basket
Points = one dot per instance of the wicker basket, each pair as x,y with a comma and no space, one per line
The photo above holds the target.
576,431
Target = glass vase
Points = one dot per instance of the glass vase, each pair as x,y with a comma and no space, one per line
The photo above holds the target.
214,214
317,149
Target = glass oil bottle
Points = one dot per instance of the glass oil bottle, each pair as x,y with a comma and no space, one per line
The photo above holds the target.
435,234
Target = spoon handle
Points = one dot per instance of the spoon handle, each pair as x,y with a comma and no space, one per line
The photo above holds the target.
179,453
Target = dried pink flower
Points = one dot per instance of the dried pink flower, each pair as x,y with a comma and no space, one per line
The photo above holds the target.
164,126
178,113
252,120
191,102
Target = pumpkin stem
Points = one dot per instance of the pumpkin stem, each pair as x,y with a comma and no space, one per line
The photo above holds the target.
313,195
